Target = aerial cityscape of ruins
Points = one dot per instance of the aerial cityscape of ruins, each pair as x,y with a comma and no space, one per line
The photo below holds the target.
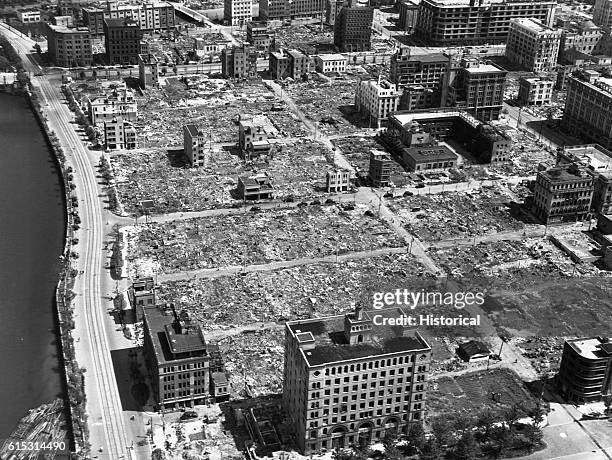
325,229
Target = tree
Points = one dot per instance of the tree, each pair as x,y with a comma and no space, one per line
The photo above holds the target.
512,414
441,430
416,438
485,421
392,452
432,450
467,448
342,454
4,63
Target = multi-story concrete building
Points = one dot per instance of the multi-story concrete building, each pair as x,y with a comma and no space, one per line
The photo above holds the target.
28,16
194,145
291,9
148,71
120,102
408,14
239,62
93,19
149,15
261,37
579,38
279,65
332,9
563,193
429,158
289,63
602,13
237,12
588,108
533,45
479,89
252,138
327,63
142,292
119,134
69,46
256,187
585,374
177,356
599,162
379,171
376,100
535,91
122,38
338,180
64,21
476,22
353,26
349,379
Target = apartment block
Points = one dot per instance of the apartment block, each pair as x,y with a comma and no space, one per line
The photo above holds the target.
69,46
119,134
148,15
237,12
350,379
353,26
28,16
289,64
93,19
338,180
122,38
239,62
261,37
563,193
602,13
177,356
478,88
328,63
585,374
581,38
195,145
408,14
120,102
533,45
376,100
588,108
476,22
252,138
379,171
535,91
148,71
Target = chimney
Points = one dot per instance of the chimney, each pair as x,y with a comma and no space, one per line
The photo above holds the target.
358,312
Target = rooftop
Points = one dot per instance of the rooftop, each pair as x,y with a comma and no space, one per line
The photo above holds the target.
404,118
330,344
592,348
565,173
121,22
593,155
484,68
483,4
332,57
426,153
532,24
68,30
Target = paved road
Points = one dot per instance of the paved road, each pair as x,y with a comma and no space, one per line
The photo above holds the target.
105,420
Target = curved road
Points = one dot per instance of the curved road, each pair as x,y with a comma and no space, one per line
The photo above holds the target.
104,411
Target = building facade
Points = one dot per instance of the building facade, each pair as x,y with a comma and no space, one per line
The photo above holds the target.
579,38
408,14
239,62
122,39
148,71
237,12
69,46
120,102
194,145
28,16
256,187
588,108
119,134
328,63
93,19
429,158
563,194
602,13
585,374
338,180
291,9
148,15
376,100
533,45
261,37
379,172
252,138
476,22
349,381
535,91
353,26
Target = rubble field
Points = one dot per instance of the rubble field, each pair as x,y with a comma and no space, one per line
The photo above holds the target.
321,289
297,169
461,394
214,104
544,353
257,238
456,214
526,155
304,36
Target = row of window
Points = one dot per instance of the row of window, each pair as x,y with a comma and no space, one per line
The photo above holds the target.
369,414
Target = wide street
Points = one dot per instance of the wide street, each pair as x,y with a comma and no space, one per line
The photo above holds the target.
94,327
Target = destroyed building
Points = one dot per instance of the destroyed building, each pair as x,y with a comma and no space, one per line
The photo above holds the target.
376,100
256,187
252,138
239,62
261,36
408,14
429,158
338,180
379,172
535,91
148,71
122,40
289,64
353,26
120,102
351,378
119,134
585,374
142,292
583,37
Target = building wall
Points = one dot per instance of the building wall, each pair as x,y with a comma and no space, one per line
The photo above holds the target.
94,20
237,12
69,49
534,51
150,16
376,102
535,92
602,12
122,43
353,28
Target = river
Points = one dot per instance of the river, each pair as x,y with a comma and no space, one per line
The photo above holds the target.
31,239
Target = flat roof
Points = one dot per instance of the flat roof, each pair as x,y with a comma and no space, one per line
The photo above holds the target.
593,155
331,57
532,24
407,117
427,153
68,30
591,348
483,4
484,68
563,174
330,344
193,129
121,22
